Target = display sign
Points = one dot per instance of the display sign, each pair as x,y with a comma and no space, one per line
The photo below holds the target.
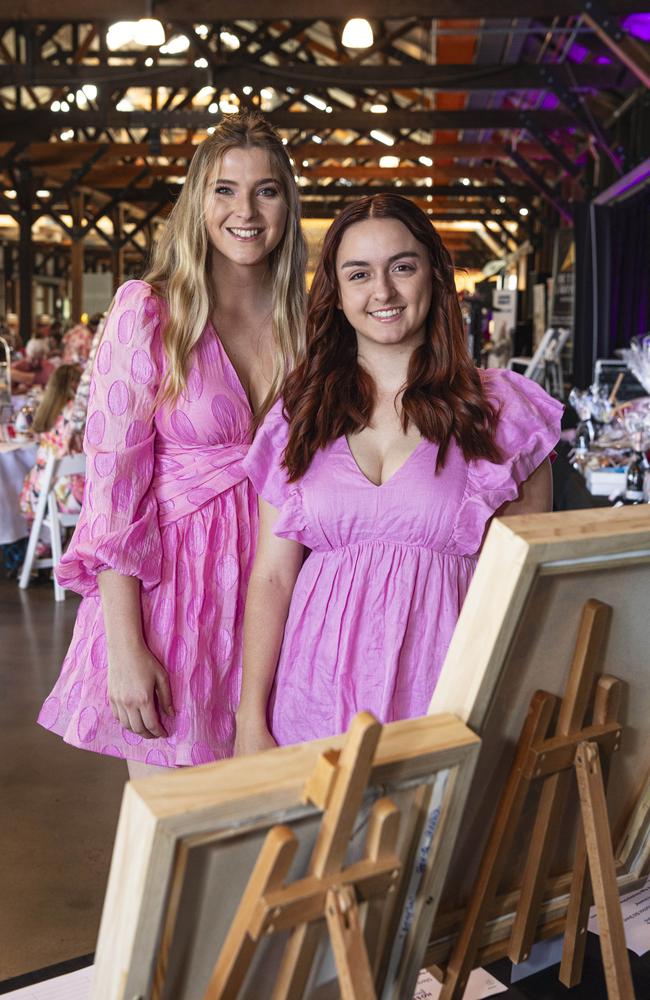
563,288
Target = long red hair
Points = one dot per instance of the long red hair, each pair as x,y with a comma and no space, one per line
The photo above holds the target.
330,395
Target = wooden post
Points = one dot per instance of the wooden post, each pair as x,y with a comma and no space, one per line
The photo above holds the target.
25,190
117,248
77,257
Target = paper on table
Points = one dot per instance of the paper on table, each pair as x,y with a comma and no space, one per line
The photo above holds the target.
480,984
635,907
73,986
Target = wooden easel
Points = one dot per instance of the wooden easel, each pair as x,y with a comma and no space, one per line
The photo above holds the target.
329,890
551,759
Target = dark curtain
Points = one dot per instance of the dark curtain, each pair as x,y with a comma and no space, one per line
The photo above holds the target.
612,301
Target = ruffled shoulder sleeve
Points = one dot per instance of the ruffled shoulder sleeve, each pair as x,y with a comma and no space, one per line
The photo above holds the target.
263,466
263,463
528,428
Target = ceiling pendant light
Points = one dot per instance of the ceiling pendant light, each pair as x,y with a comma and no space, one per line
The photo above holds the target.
149,31
357,34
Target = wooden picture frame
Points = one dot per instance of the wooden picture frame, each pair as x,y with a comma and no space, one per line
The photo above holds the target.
187,843
516,634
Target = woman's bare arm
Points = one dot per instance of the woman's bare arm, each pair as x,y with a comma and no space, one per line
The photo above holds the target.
535,495
276,567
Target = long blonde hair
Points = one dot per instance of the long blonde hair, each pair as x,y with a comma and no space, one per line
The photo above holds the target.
181,258
61,388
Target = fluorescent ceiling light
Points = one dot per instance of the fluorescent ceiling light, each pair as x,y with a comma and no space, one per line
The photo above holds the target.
357,34
179,43
316,102
229,40
378,109
389,161
382,137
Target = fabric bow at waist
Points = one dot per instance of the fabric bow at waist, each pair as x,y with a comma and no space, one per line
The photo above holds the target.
186,478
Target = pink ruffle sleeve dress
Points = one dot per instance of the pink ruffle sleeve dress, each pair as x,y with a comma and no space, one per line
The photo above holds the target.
378,597
167,501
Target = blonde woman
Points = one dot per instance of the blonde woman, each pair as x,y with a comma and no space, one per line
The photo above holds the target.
191,359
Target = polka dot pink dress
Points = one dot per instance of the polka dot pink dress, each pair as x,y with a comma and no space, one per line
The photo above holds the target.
377,599
167,501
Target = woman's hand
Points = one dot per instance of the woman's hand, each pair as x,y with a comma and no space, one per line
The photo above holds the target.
136,680
253,736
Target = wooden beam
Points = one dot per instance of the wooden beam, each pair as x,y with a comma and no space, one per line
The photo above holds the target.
204,10
360,121
75,153
242,71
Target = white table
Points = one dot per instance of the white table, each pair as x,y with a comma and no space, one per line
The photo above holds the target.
16,460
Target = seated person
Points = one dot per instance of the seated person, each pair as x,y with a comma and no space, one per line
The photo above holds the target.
53,427
35,369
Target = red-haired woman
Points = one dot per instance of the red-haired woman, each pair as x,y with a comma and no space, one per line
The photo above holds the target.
385,459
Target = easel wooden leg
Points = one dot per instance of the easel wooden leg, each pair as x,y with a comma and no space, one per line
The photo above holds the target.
589,648
603,873
606,708
270,871
329,851
496,852
348,945
381,842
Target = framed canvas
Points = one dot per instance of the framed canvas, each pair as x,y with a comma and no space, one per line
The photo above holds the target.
516,634
187,842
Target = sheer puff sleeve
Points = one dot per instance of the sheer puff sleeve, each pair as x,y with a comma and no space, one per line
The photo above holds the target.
118,527
263,466
528,428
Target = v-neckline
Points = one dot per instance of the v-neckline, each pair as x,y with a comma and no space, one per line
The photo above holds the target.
379,486
230,363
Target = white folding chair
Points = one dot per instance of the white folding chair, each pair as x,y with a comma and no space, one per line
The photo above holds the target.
545,366
54,520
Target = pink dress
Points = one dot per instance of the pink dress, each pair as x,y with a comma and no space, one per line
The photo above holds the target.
377,599
167,501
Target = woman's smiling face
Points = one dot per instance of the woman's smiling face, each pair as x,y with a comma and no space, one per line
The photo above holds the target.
245,212
384,282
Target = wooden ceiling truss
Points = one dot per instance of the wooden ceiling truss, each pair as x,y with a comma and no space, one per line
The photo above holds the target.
497,119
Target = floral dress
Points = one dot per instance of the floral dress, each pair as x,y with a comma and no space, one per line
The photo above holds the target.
167,501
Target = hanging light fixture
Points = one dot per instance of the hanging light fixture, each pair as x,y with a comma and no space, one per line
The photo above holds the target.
149,31
357,34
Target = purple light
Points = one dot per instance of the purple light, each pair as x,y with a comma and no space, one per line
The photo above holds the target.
638,25
578,53
550,102
604,61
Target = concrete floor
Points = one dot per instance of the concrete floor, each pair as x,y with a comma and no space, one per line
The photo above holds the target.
59,804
